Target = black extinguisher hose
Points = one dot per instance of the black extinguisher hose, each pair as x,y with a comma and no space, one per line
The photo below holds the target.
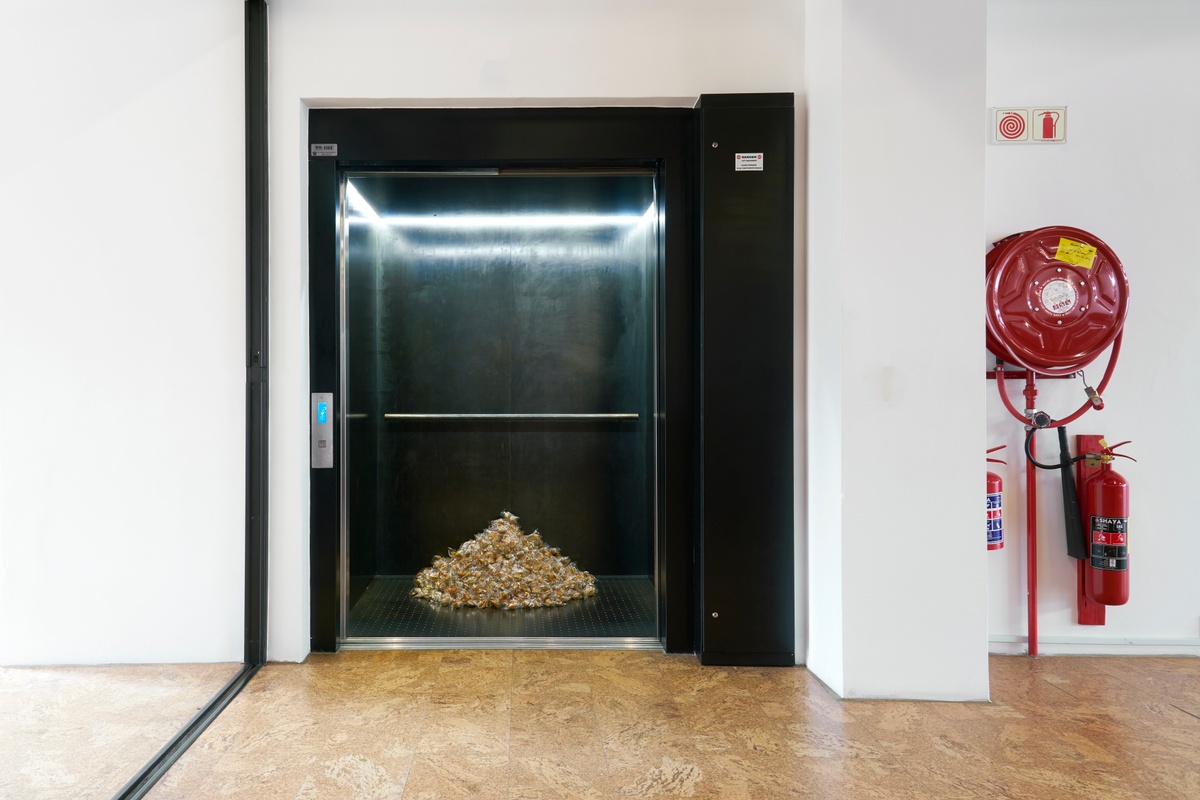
1072,522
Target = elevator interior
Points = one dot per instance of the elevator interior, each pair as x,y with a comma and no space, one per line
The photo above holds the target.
499,354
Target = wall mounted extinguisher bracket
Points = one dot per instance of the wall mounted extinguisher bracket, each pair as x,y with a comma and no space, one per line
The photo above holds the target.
1104,573
1090,612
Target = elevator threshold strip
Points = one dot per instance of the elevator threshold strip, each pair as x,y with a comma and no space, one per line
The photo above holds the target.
622,614
498,643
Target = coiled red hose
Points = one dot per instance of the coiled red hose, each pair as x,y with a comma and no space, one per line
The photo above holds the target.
1079,412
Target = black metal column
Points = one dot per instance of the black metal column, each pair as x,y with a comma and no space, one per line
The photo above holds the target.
747,602
324,487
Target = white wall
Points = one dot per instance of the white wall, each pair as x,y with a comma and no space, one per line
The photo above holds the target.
466,53
823,317
1129,73
121,330
896,214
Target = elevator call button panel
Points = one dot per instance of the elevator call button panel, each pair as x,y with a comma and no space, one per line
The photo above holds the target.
322,430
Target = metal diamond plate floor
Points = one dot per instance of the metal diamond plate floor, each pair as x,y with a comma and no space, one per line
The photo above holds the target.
624,606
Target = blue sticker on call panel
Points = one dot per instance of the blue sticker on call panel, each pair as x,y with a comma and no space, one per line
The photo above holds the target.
322,413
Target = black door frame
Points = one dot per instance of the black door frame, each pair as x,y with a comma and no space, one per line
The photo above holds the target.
558,137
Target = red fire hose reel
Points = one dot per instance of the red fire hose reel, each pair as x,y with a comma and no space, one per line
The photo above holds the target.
1056,299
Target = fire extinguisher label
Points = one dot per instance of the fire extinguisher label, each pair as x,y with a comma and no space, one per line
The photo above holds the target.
1110,543
995,518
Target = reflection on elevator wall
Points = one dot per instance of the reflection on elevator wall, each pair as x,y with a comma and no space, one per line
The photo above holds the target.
498,355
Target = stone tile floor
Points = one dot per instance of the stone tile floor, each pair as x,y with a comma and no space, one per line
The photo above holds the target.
593,724
82,732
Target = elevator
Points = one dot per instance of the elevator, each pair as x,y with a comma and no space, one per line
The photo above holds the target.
581,316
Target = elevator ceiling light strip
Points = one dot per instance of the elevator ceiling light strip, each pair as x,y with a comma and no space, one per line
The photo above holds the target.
499,221
509,172
591,249
470,172
525,172
510,416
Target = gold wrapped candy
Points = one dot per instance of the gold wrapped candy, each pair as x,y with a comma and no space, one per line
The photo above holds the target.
504,568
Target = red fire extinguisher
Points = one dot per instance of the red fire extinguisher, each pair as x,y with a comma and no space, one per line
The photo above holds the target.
995,505
1107,498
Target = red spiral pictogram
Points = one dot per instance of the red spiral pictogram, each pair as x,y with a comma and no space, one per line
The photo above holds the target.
1012,126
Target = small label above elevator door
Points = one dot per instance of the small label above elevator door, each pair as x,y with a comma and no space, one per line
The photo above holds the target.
322,150
748,162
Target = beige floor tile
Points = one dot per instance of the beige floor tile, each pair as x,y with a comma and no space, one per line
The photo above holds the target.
550,719
544,771
541,676
435,776
477,727
666,771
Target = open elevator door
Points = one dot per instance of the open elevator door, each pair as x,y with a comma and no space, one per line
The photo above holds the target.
498,355
501,314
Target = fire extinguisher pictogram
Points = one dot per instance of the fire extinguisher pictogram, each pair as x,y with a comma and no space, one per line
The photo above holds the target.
1106,506
995,505
1049,124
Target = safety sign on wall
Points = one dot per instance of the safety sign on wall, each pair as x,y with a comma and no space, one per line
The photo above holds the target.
748,162
1047,125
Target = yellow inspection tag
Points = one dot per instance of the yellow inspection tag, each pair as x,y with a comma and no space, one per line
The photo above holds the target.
1077,253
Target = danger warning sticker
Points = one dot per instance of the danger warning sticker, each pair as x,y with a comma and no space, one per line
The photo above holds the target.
748,162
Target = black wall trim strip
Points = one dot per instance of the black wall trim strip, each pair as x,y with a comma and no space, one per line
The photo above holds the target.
155,768
257,320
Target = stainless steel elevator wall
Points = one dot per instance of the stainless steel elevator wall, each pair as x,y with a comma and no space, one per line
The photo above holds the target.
499,295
